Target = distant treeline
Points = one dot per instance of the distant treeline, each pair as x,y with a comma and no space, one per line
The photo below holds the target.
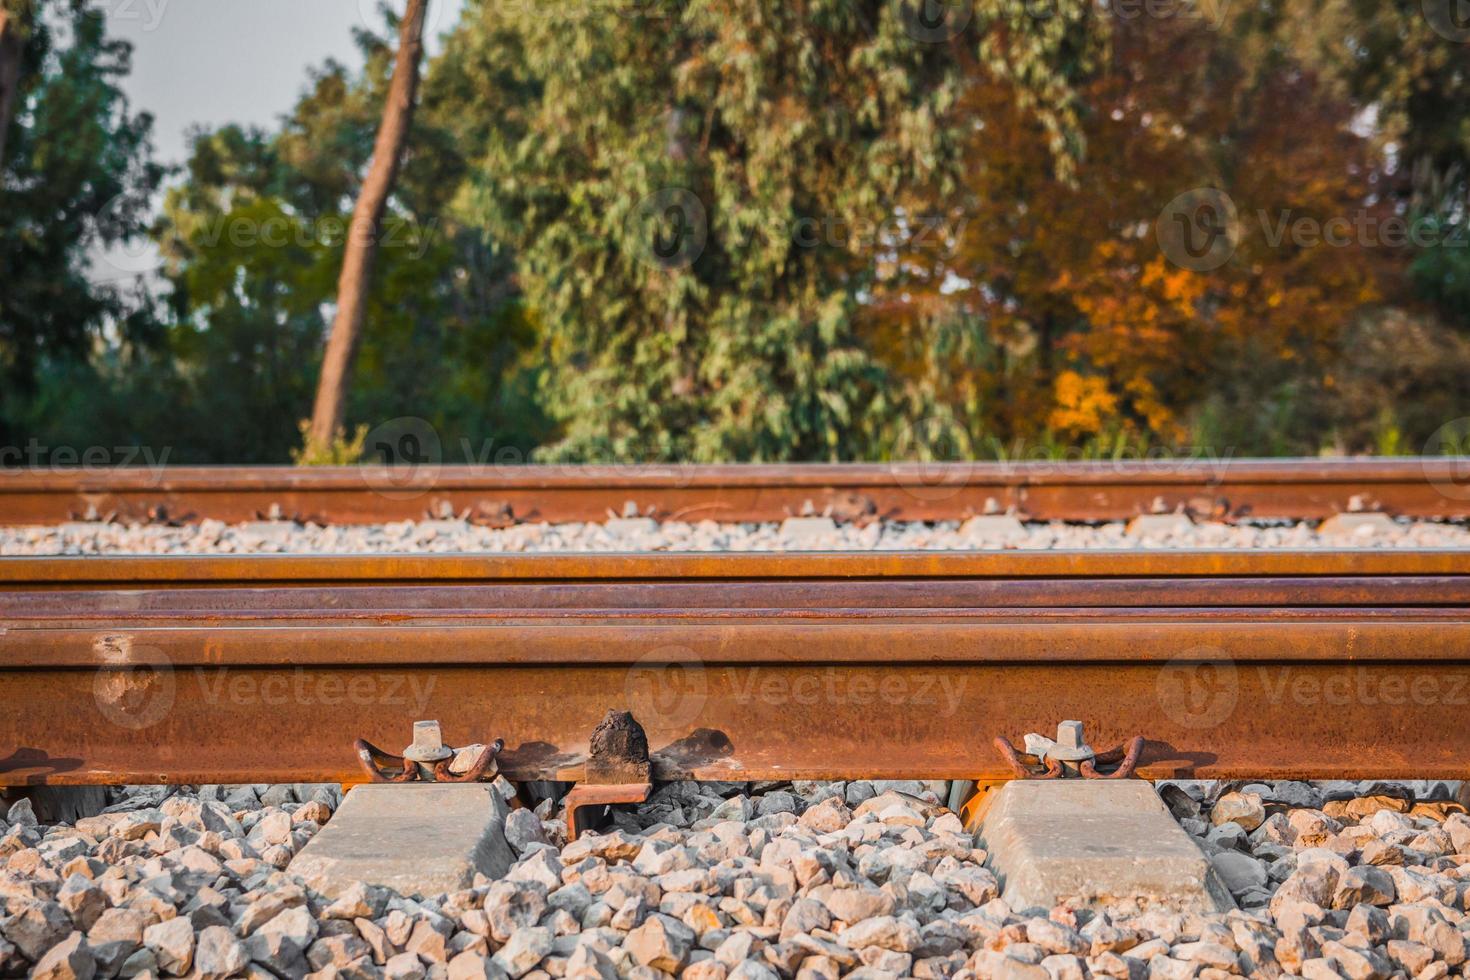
836,230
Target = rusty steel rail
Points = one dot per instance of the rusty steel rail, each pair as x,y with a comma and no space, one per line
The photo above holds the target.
1074,491
1230,664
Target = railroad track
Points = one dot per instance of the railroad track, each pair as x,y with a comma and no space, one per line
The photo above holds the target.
1307,489
1352,664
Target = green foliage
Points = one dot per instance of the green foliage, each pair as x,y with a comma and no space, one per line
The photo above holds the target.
76,179
253,244
687,193
1440,270
681,229
344,450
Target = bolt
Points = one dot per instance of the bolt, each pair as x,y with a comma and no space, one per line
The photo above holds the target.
1070,746
428,743
1069,735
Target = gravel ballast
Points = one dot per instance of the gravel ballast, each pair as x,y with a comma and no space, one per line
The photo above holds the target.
214,537
712,881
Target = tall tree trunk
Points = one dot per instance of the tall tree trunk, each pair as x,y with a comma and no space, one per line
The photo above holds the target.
12,44
362,240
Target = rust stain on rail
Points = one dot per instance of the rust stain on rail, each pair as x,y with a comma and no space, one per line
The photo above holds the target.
1108,490
1312,664
460,569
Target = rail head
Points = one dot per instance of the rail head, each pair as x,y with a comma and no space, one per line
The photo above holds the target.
154,570
1208,470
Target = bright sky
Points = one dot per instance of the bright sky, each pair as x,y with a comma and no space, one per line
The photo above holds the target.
208,62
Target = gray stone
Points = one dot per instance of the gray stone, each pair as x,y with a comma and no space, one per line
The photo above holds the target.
513,905
1244,809
83,901
630,527
1159,526
36,927
883,931
826,817
1363,884
755,970
807,528
218,954
417,840
358,901
295,924
1096,842
118,925
1358,525
854,904
69,959
471,965
779,801
522,829
524,950
22,813
993,527
1056,938
1240,872
404,966
172,943
660,942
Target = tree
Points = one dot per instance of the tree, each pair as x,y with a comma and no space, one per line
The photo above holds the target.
361,248
699,193
1406,65
252,238
1093,325
76,179
16,17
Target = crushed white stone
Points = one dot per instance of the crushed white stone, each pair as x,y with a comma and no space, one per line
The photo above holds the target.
713,881
215,537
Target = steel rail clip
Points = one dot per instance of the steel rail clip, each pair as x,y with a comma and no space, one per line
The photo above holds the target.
1068,756
428,759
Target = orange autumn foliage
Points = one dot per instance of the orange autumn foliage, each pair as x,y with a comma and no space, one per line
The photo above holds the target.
1086,324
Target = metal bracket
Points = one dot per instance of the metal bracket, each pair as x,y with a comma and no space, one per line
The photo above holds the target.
618,768
428,759
1068,756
